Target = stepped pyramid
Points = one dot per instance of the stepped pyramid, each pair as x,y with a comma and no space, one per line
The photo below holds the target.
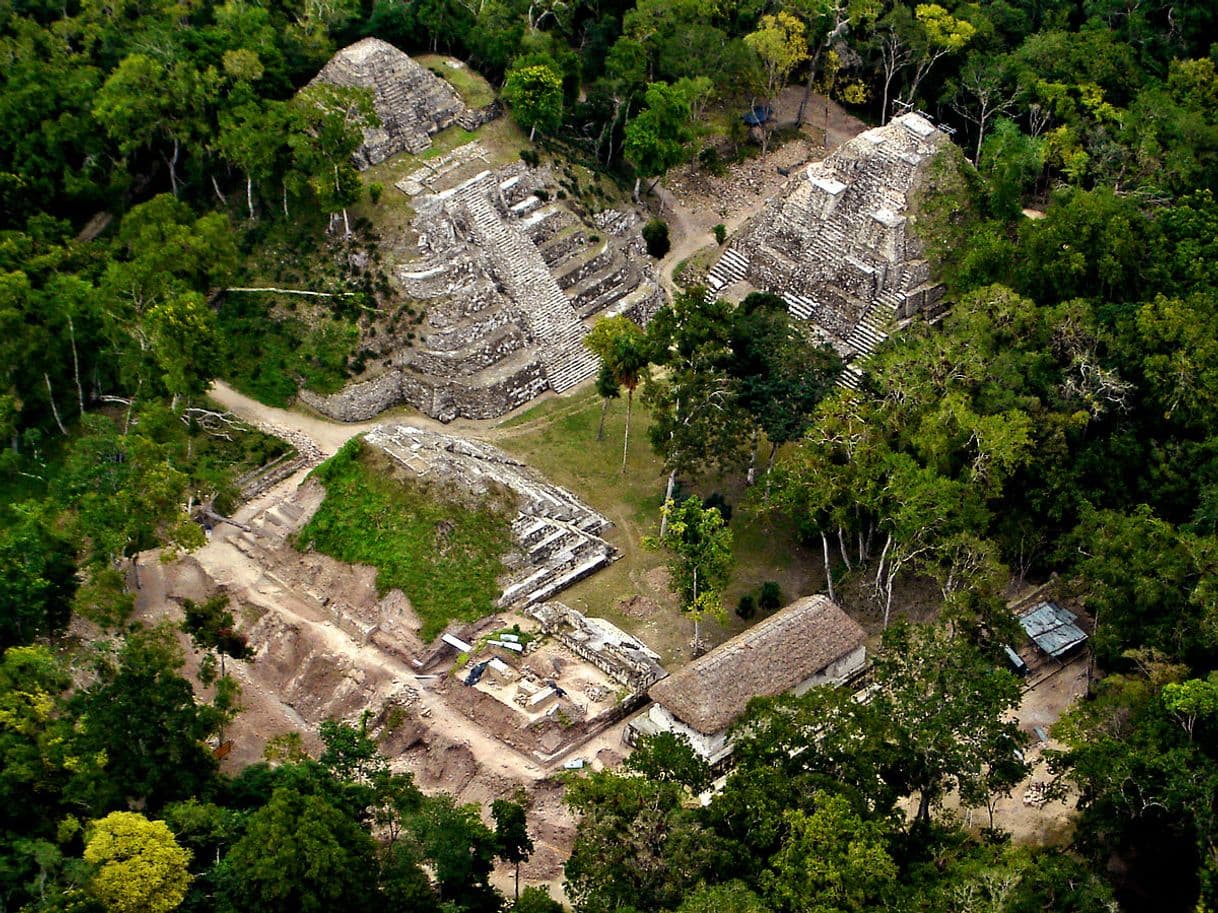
835,245
411,101
509,281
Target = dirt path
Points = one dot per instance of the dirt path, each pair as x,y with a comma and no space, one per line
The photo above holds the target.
690,235
327,436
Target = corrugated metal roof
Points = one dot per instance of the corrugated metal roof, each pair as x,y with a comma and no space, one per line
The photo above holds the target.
1053,629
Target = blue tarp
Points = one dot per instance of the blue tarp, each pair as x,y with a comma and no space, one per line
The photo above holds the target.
759,115
1054,630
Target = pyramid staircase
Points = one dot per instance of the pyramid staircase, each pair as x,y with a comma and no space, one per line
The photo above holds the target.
547,312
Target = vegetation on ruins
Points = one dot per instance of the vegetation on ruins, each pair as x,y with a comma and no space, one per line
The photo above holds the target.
443,554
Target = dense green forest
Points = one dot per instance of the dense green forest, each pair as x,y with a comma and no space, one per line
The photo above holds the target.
1059,420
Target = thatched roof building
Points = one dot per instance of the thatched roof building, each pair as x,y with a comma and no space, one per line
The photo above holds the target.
411,101
774,656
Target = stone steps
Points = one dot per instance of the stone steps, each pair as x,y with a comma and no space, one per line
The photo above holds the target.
551,319
731,267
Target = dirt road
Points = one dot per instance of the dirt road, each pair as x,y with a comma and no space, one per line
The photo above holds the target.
326,435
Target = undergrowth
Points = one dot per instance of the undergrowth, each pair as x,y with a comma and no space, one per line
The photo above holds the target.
443,554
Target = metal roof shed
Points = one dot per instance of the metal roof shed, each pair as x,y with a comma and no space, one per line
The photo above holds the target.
1054,630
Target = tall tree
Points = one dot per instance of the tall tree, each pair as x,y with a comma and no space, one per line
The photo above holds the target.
534,94
782,44
782,374
623,350
512,841
140,866
700,546
299,853
658,137
328,127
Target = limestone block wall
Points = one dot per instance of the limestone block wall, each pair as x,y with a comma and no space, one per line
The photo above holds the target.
509,284
411,101
442,399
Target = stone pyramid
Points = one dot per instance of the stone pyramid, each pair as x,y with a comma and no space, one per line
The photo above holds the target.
411,101
837,245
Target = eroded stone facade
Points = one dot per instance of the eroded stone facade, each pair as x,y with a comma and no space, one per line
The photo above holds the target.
411,101
837,245
509,283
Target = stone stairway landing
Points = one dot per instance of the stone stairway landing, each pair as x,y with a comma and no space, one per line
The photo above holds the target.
551,320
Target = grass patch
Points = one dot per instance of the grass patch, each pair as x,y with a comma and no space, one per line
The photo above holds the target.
693,269
475,91
444,555
558,438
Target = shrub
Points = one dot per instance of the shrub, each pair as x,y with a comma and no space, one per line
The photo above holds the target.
747,607
375,192
655,233
542,194
715,499
710,159
720,231
530,157
771,595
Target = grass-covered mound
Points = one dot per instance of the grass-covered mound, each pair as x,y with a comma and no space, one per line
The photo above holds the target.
445,555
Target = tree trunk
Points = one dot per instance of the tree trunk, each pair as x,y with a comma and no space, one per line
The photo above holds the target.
532,132
80,393
249,195
173,169
751,476
841,542
672,483
626,436
803,102
284,185
888,598
828,570
600,428
517,882
131,406
923,806
638,180
215,185
54,408
879,571
346,224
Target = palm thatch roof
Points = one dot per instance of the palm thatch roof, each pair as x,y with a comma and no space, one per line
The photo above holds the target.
770,658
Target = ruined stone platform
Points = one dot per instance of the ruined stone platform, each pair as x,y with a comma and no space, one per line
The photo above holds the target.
558,536
836,245
509,282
